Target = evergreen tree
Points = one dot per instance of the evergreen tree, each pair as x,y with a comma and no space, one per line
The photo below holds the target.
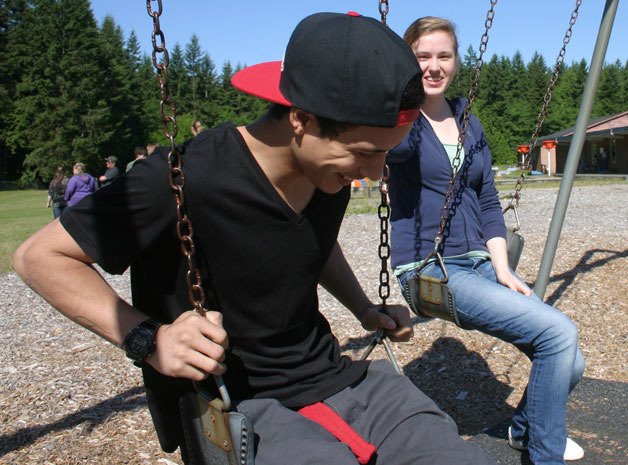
520,114
227,94
608,97
133,51
537,81
150,93
192,60
462,82
623,88
493,106
60,113
123,97
566,98
177,79
208,91
197,83
11,15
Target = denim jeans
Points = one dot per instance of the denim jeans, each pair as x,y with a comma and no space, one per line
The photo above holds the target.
544,334
57,210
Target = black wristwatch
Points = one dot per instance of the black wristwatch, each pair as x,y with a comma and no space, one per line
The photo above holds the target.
141,341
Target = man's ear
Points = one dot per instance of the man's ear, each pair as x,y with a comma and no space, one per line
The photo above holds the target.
299,120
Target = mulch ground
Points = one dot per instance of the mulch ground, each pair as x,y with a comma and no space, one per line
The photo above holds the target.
67,397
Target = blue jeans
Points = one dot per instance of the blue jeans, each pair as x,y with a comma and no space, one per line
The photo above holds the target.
57,210
544,334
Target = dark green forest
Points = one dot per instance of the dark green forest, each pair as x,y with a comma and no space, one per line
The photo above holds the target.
75,90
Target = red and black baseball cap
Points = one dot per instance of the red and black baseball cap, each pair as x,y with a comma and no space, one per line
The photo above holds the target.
344,67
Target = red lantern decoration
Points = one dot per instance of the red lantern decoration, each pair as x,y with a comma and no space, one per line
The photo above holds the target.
549,144
523,149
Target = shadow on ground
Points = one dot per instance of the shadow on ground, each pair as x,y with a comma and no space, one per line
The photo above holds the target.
589,261
97,414
596,419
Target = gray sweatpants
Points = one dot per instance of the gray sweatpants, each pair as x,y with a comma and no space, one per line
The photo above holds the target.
385,408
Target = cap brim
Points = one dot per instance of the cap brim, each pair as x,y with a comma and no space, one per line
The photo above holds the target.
261,80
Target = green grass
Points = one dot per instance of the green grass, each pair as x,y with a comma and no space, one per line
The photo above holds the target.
21,214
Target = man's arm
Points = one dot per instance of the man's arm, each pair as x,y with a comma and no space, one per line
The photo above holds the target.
55,266
338,278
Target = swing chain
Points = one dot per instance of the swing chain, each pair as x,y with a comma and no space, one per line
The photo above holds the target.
527,162
383,212
383,10
176,177
456,162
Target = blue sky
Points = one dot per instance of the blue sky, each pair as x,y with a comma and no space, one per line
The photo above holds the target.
252,31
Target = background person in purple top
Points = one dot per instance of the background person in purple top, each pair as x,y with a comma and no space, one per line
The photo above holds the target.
80,185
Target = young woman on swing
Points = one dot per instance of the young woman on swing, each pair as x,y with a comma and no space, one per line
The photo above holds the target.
489,297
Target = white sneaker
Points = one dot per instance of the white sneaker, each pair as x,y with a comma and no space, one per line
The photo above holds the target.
515,443
572,450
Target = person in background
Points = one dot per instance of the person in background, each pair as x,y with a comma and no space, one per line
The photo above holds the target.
56,190
602,158
80,185
111,173
197,128
489,297
139,153
150,148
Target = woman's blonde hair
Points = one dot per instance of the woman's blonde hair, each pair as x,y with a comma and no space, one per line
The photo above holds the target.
428,24
80,167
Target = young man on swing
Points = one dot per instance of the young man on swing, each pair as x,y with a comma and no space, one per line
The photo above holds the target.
266,201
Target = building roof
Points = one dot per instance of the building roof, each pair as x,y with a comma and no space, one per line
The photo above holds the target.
604,125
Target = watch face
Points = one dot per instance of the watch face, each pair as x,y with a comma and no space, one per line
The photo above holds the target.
140,342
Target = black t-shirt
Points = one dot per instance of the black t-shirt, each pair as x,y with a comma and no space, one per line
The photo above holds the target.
260,260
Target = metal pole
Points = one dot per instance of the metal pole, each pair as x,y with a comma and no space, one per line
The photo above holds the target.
575,148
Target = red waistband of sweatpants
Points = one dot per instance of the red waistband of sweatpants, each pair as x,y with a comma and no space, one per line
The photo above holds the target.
337,426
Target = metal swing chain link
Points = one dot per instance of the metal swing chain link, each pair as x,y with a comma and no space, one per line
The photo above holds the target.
176,177
383,212
526,164
455,163
383,10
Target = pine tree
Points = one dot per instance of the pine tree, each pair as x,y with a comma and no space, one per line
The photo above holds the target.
177,79
462,82
133,51
59,115
520,114
623,92
608,97
566,98
11,15
123,98
192,59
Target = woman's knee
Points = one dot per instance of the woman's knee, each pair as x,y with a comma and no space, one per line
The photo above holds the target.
559,335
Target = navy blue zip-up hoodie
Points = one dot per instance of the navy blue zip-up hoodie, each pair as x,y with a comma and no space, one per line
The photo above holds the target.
420,171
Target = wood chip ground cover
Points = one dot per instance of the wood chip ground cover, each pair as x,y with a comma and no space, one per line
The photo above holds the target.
67,397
